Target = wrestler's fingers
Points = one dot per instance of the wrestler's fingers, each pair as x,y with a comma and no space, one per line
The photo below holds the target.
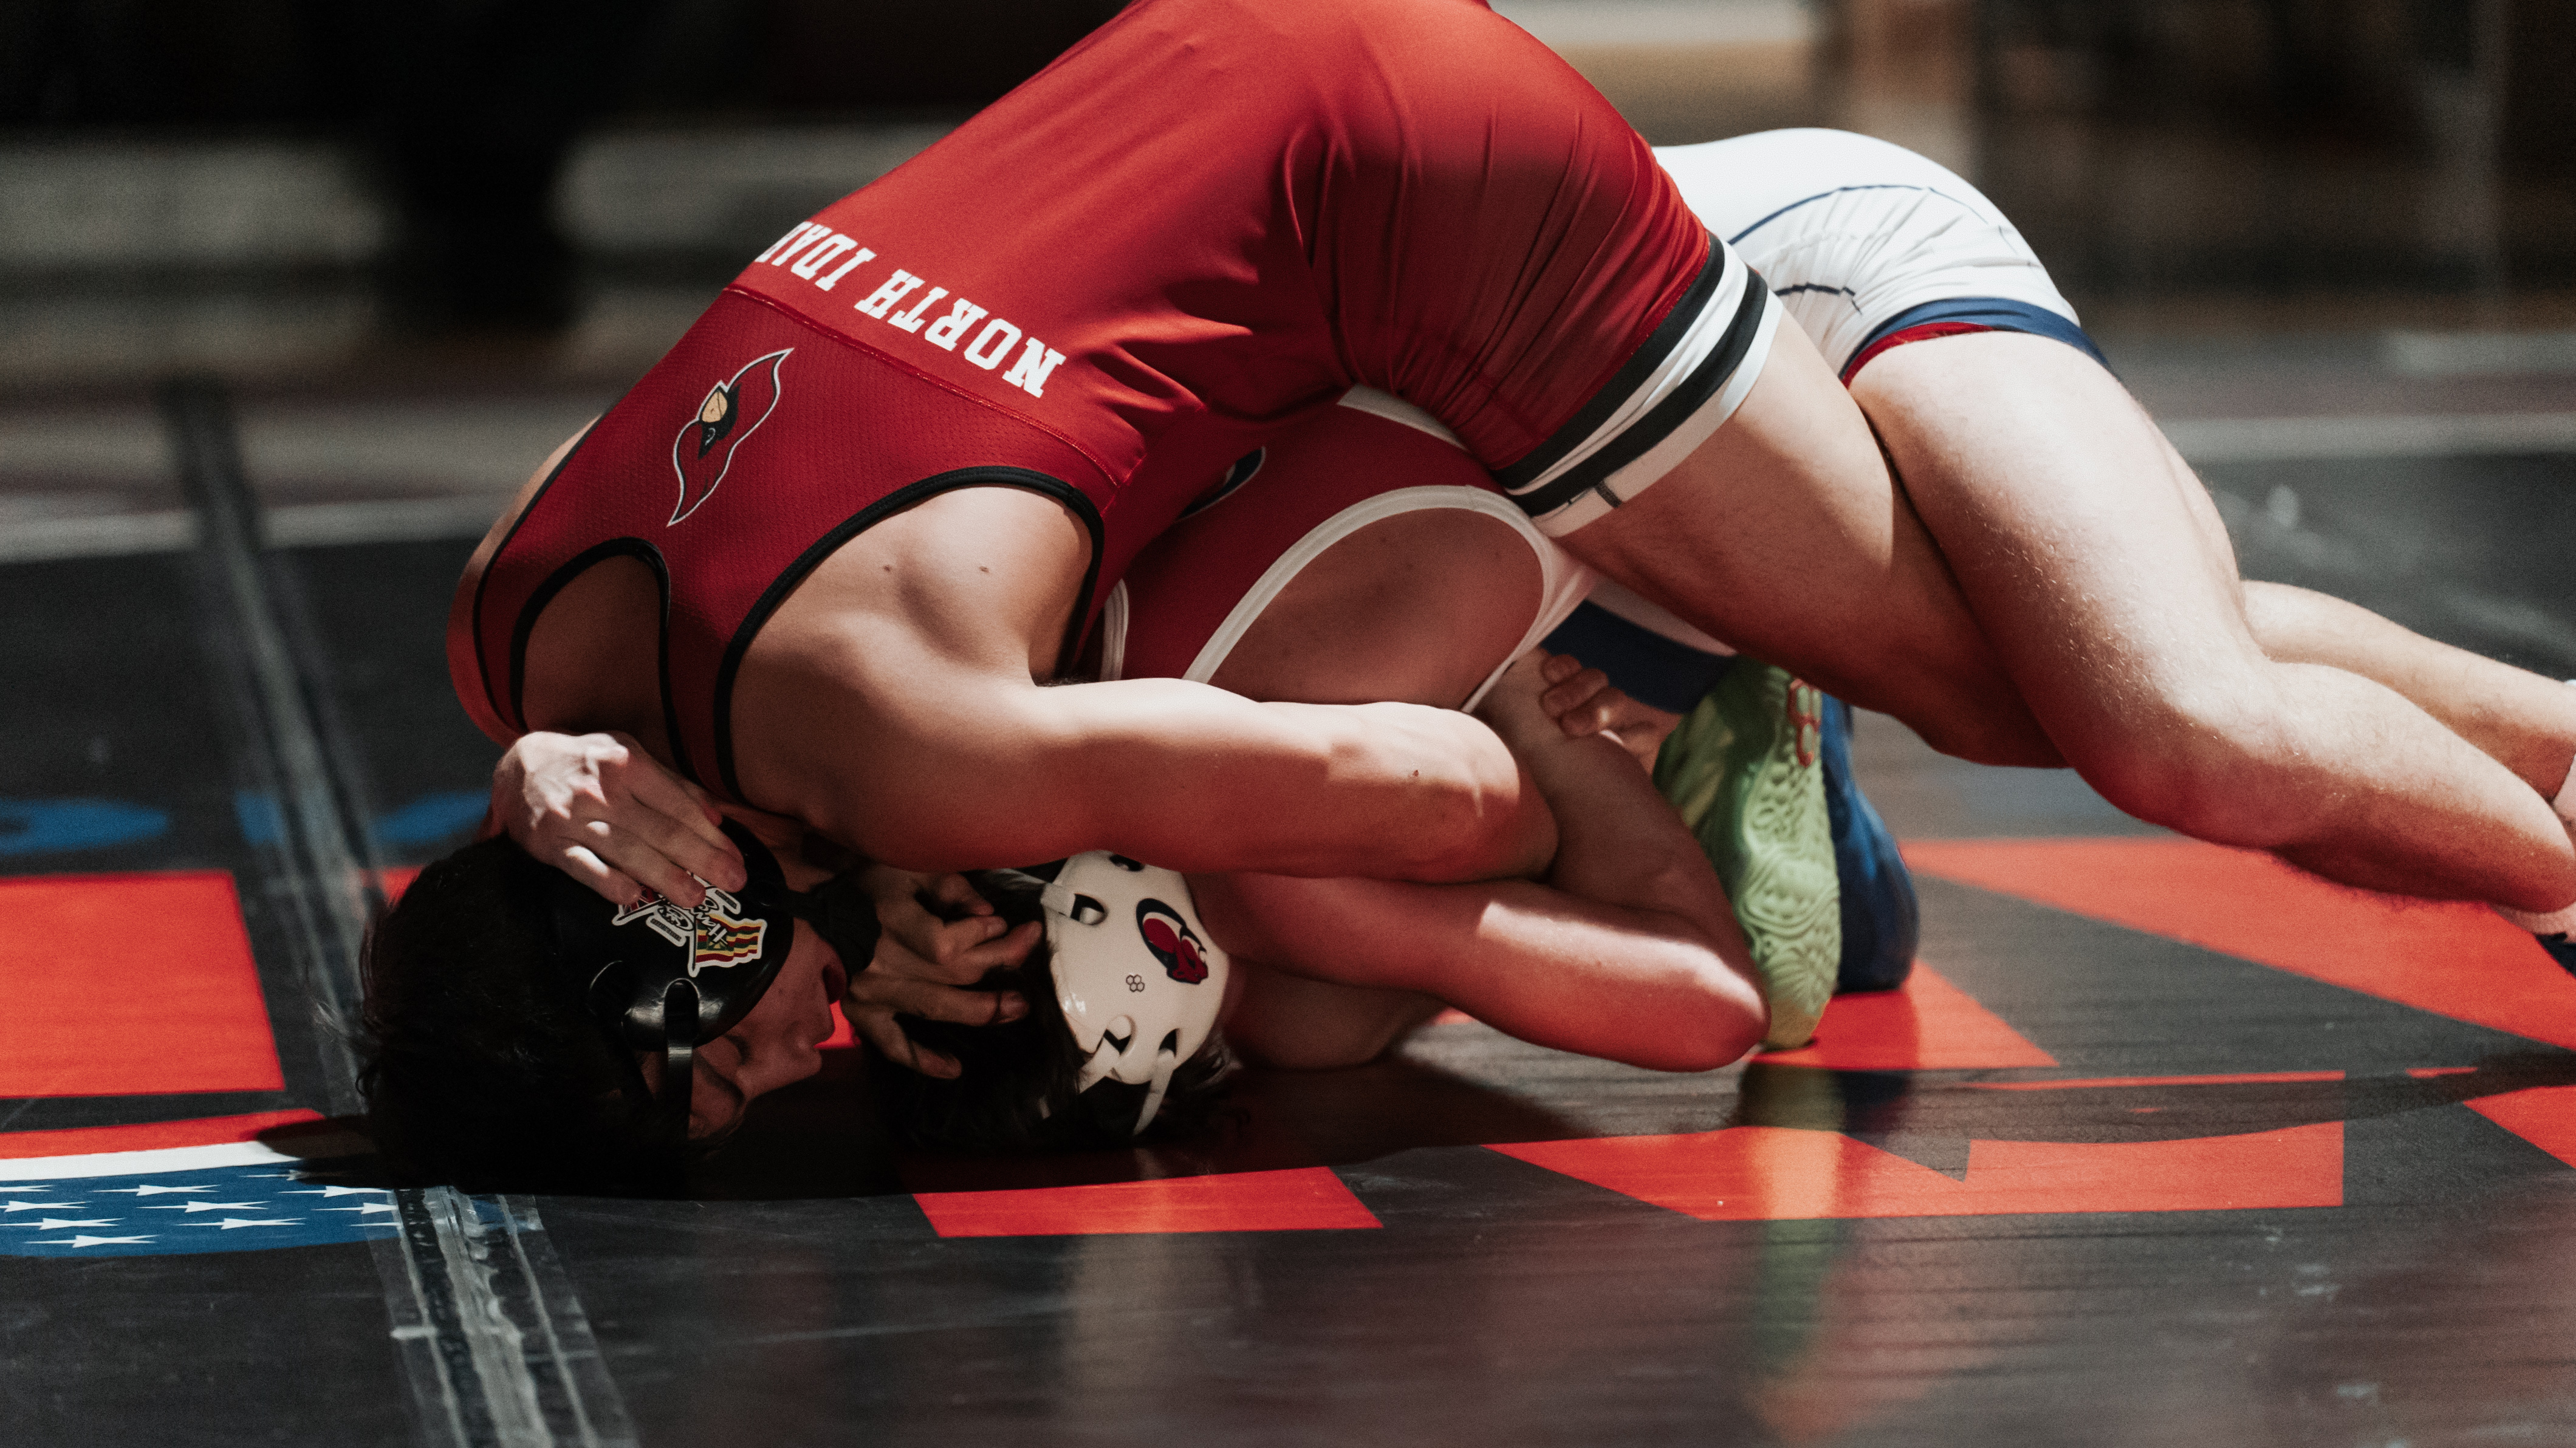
1004,948
1606,711
968,944
952,895
1582,688
685,826
946,942
1557,668
1574,688
612,884
932,1001
900,958
882,1032
672,859
660,789
913,951
1644,749
622,849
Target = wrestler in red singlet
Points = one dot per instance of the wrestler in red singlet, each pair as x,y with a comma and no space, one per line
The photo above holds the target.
1107,291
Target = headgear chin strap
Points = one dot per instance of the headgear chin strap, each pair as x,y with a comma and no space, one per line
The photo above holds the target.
1139,981
659,977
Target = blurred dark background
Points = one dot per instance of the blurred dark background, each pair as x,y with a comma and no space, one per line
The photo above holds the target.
466,165
459,116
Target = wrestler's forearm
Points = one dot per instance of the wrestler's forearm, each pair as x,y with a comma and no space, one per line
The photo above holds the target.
1193,778
1409,793
1643,987
1199,779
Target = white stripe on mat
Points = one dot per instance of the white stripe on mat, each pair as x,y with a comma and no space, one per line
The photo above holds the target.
176,1159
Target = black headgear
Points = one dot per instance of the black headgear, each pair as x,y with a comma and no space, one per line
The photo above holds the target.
659,977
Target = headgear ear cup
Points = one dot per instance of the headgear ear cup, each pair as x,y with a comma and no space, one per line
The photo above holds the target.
661,978
1139,981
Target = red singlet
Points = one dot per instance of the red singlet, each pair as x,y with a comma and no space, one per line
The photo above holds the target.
1198,227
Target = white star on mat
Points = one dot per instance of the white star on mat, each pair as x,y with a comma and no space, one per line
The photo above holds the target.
207,1207
158,1191
332,1192
366,1207
80,1241
38,1206
56,1224
228,1223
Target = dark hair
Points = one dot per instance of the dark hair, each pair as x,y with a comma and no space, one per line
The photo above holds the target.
479,1063
1015,1091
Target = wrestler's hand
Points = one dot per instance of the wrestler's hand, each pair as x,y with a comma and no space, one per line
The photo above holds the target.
603,811
938,939
937,928
1584,701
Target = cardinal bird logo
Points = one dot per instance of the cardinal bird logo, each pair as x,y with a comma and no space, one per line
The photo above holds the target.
1183,956
733,410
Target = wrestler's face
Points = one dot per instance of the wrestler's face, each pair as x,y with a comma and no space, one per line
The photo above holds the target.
774,1046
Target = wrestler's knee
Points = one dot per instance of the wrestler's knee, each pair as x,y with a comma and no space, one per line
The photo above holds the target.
2215,757
1981,719
2012,739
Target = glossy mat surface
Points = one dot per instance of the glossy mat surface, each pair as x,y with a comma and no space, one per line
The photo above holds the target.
2163,1143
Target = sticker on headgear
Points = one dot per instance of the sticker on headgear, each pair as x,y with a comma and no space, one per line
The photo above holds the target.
1183,954
717,935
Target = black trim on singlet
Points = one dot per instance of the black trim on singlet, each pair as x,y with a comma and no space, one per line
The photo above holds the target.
1631,375
561,579
516,718
1703,383
859,522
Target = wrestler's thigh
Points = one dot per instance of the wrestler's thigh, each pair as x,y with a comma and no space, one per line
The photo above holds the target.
1784,535
2084,545
1293,1022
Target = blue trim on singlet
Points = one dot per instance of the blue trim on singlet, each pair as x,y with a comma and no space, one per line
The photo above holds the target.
1643,664
1994,313
1837,191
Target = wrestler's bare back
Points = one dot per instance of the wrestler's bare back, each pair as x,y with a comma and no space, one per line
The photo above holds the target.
893,703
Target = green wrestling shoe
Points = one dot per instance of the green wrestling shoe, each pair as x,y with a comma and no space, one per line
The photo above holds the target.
1744,769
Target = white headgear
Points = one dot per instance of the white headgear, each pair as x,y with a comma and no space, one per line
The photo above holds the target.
1138,978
